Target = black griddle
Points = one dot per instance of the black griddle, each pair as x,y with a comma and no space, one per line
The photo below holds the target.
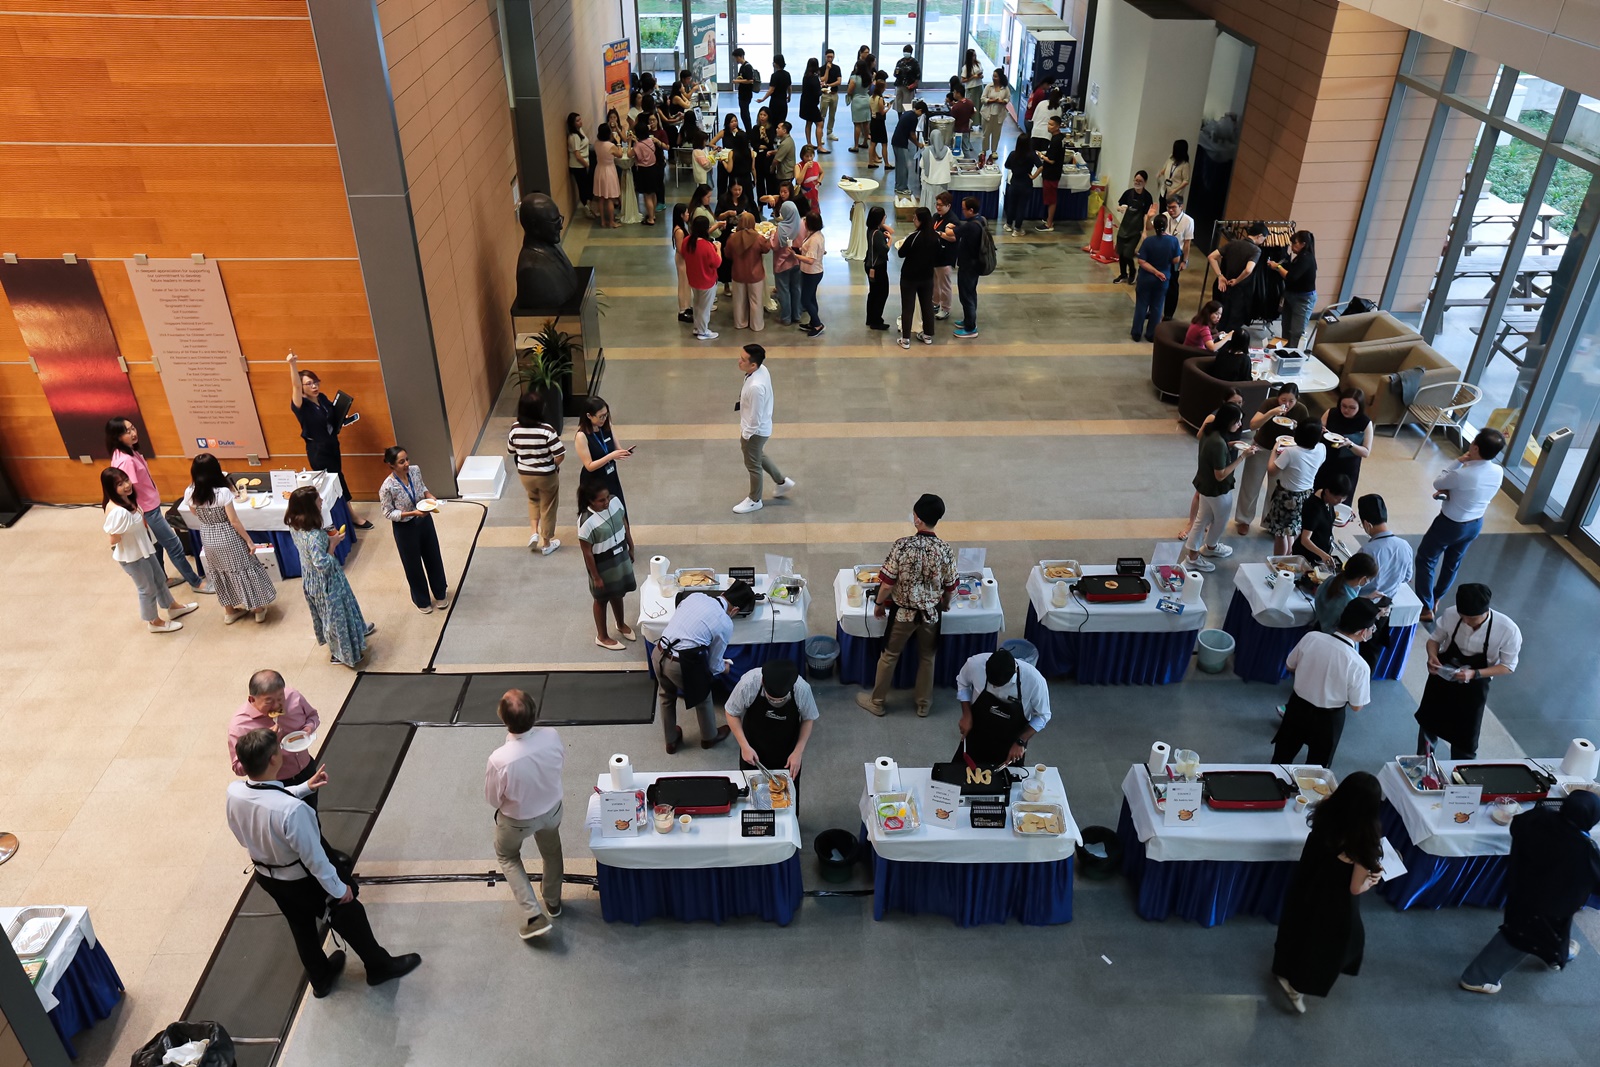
1513,781
1246,790
694,795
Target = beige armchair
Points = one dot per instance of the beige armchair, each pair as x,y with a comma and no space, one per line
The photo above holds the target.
1335,341
1370,366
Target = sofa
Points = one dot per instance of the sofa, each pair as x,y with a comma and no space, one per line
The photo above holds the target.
1168,354
1370,366
1199,394
1335,341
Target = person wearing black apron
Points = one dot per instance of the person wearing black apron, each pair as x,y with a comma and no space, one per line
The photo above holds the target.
997,726
771,712
1452,708
1329,675
690,652
319,428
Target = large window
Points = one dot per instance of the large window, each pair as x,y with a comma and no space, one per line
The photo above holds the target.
805,27
661,37
758,35
988,19
849,27
941,44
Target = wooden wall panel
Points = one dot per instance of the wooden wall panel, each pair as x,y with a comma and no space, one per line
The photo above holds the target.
570,38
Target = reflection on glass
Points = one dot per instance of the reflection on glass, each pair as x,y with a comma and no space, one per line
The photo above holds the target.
941,45
988,34
713,13
805,25
897,27
661,37
755,33
849,27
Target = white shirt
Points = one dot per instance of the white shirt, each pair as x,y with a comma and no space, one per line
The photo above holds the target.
1181,227
755,404
275,826
136,541
1329,672
523,779
1471,486
1505,640
744,694
1041,118
1297,467
974,679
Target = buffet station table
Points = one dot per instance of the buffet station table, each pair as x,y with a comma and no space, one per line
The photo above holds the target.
1219,861
972,625
1269,615
707,870
261,514
1133,642
71,973
930,859
1450,862
776,629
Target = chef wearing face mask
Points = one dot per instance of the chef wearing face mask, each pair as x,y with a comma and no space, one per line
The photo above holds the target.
771,712
1003,704
1470,645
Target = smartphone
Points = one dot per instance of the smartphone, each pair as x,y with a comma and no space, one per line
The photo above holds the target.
631,449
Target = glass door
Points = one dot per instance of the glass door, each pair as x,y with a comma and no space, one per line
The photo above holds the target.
708,40
805,25
849,27
897,27
756,33
941,45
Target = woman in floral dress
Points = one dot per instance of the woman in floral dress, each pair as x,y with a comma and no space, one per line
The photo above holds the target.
335,615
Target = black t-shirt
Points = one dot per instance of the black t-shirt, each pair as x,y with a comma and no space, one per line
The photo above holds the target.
1137,201
746,90
1231,366
1238,254
780,83
904,126
831,73
1316,515
947,249
1055,158
1302,276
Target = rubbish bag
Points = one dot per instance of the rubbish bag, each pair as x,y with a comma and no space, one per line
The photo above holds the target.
218,1054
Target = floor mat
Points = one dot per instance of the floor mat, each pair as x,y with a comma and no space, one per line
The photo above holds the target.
598,698
256,944
379,697
484,690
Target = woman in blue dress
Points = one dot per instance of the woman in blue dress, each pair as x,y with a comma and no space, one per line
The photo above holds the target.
335,615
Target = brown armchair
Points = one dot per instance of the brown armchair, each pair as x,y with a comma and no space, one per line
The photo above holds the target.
1168,354
1200,394
1371,365
1335,341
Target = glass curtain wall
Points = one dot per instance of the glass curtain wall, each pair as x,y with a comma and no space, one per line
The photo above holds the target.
849,27
986,34
941,44
758,36
805,27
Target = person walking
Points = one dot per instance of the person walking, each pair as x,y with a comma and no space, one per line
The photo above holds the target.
1214,482
1285,404
320,427
701,258
241,581
1181,227
746,80
810,254
832,78
607,543
270,704
1158,257
918,579
405,497
919,255
755,428
536,448
1132,207
122,444
134,549
786,262
1320,935
335,616
1328,675
522,783
1299,285
879,234
1019,167
971,235
596,442
578,156
1470,645
1552,873
992,112
293,866
1465,489
690,654
778,86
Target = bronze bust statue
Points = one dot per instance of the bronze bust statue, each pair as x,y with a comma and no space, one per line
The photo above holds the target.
545,276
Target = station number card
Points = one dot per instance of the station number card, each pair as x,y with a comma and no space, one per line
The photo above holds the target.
1183,803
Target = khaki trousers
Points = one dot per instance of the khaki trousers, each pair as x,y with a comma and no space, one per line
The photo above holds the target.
543,490
941,286
756,461
900,633
669,683
747,309
829,106
509,834
1252,472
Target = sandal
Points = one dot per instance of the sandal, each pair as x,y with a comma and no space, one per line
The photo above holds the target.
609,645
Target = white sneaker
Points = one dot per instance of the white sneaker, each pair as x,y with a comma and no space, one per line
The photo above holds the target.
941,313
442,603
1216,551
426,609
783,487
925,338
533,542
1200,563
1297,1000
905,342
555,543
746,506
709,335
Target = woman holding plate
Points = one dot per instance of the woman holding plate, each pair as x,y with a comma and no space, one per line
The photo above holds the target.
1351,429
242,584
407,503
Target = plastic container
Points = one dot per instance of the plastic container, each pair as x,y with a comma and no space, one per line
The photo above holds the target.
822,652
1099,868
1215,647
1022,651
848,847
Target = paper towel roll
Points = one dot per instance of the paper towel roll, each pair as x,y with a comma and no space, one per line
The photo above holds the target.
658,567
1160,753
1193,582
621,772
883,772
1582,759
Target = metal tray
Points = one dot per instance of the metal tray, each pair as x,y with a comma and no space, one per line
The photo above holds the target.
708,571
865,568
1046,564
1413,768
47,926
1049,810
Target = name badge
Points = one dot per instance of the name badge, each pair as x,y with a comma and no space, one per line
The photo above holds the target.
758,824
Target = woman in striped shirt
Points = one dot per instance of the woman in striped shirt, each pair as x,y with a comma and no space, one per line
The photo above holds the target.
608,554
538,451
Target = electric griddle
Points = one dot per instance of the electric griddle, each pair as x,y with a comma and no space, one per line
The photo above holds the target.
1246,790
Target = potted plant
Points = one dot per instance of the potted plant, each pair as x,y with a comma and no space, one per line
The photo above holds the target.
544,367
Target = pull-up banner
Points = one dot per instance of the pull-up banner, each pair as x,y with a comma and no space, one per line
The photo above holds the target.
63,322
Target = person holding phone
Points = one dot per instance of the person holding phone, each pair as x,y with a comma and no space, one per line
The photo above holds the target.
597,445
320,427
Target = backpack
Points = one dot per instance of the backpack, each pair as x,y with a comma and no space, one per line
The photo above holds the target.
986,253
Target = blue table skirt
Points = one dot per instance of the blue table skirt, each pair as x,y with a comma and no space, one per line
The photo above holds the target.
1259,651
1112,658
283,542
1392,660
87,992
1208,892
771,892
858,658
745,658
973,894
1440,881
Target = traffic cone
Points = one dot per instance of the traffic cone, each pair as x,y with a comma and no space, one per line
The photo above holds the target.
1103,245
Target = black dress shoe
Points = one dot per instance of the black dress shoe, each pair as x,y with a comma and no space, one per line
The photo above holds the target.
399,965
364,524
672,746
722,735
335,967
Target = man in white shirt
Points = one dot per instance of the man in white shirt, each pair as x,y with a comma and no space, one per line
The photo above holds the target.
284,840
1465,488
1470,645
1329,673
1003,704
523,785
1394,559
771,713
1180,225
755,428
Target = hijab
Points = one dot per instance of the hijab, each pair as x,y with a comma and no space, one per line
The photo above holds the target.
788,223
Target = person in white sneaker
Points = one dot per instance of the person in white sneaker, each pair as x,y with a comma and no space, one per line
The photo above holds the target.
523,785
1214,483
134,548
755,428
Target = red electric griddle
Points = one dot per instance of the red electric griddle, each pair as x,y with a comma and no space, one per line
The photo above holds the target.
1246,790
1504,781
1112,588
694,795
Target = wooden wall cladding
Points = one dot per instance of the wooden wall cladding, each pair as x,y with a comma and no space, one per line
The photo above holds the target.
570,38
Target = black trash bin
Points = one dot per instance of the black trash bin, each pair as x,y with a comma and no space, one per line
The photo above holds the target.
1099,868
846,844
219,1054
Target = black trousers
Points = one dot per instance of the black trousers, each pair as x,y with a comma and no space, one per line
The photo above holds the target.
1424,739
302,902
744,109
1318,729
877,295
912,294
326,457
303,777
418,544
1236,304
1372,648
1173,278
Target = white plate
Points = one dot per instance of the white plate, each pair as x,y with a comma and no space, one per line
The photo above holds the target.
297,741
260,500
427,505
1334,438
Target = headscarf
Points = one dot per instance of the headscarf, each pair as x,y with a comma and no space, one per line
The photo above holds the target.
788,223
747,221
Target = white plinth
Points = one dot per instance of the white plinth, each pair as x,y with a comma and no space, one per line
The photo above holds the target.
482,478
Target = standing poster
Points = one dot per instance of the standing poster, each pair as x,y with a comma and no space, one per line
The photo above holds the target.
703,51
616,75
186,316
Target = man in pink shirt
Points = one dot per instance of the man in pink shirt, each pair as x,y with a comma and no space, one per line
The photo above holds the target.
523,785
274,706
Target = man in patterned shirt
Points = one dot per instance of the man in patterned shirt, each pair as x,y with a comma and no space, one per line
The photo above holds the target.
917,579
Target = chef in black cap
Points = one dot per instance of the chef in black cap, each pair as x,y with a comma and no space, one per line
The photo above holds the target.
771,712
1329,674
1553,871
1470,645
1003,704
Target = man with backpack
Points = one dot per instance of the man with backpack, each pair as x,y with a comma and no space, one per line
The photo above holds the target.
748,79
975,258
907,75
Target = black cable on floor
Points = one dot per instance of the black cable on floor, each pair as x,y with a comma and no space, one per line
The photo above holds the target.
465,570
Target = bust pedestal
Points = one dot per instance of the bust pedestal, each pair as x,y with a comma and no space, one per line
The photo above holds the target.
580,317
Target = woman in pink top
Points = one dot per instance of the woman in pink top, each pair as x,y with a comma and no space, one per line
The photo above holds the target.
122,441
701,258
1202,332
810,256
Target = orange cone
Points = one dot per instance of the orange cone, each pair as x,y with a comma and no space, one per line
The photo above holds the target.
1103,245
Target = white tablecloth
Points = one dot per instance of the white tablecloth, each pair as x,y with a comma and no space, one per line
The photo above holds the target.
964,617
712,841
1423,814
1142,617
269,519
1315,377
1291,607
769,624
79,930
1232,836
858,189
979,181
961,843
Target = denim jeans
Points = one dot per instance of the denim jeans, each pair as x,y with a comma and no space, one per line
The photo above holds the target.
1441,550
167,538
1497,959
967,289
906,178
1017,196
1296,313
808,295
788,294
1149,300
150,579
